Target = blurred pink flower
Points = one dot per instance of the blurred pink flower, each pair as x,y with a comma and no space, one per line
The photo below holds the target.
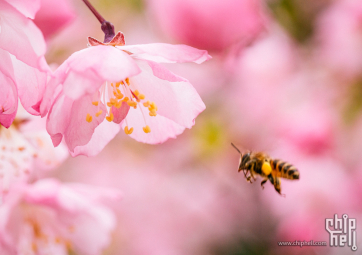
25,147
48,217
23,69
27,8
125,85
170,206
339,31
53,15
212,25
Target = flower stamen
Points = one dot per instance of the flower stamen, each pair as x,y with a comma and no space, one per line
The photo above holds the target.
89,118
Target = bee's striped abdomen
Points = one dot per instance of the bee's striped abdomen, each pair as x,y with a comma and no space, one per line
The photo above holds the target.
284,169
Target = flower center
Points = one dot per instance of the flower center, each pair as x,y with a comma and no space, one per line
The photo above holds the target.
42,237
115,94
16,156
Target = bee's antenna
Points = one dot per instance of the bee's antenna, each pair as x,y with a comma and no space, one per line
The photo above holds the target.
235,148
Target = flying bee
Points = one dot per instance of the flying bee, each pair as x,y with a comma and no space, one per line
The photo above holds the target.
259,163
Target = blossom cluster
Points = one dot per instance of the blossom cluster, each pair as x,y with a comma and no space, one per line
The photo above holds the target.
78,107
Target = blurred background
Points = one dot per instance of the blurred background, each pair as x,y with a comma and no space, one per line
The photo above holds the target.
285,79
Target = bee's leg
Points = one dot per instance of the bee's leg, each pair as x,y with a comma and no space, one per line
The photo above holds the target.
245,171
263,182
277,185
250,167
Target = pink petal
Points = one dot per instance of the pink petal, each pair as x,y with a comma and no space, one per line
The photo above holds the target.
161,128
168,53
58,118
31,84
53,15
79,132
102,135
8,95
53,87
163,73
78,84
177,101
20,37
26,7
106,62
120,113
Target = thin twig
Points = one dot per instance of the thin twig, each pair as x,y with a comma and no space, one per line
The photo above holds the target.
94,11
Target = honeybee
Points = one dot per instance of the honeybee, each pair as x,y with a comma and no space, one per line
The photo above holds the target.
259,163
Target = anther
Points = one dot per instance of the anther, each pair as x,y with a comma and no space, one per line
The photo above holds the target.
95,103
146,129
110,117
152,113
128,131
118,104
132,103
89,118
99,113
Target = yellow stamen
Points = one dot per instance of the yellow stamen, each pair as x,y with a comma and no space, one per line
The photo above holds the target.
34,247
152,113
136,92
118,104
119,96
146,129
109,104
125,99
113,101
127,81
119,83
89,118
153,105
132,103
99,113
110,117
128,131
95,103
146,104
141,96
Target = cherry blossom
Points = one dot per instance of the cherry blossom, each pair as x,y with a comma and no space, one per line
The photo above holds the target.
23,69
53,15
212,25
112,82
49,217
26,151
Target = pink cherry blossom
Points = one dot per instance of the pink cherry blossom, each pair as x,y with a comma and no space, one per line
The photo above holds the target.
49,217
53,15
124,85
23,69
339,33
26,151
212,25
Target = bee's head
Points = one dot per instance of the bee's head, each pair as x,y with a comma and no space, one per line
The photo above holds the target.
244,158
